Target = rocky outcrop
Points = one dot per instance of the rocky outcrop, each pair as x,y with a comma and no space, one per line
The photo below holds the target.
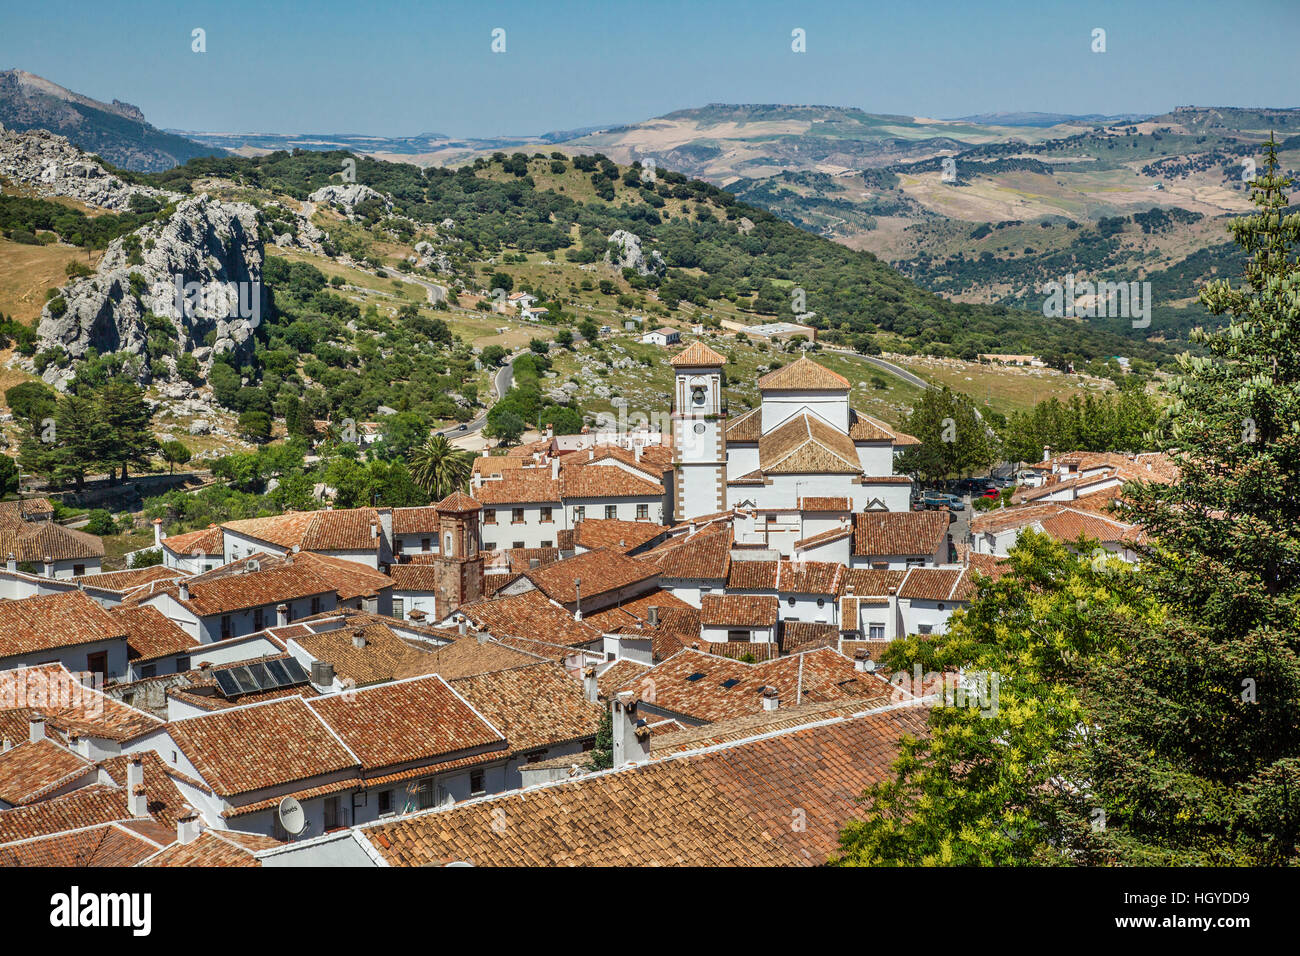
51,166
195,278
625,253
348,196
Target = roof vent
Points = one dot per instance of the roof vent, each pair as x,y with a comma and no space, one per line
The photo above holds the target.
322,673
359,638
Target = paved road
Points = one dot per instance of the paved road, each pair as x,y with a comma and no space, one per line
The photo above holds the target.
501,382
435,293
889,367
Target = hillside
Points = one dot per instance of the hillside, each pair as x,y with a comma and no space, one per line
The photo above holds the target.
116,131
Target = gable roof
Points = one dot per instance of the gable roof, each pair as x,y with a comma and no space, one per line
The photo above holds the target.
704,555
529,615
699,808
71,707
738,610
31,770
807,445
802,375
51,621
697,354
886,533
120,843
345,529
150,634
35,541
539,705
620,536
600,571
207,542
215,848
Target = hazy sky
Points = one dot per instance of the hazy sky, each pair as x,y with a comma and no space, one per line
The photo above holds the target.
400,68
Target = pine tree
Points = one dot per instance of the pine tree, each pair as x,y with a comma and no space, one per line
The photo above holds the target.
1200,742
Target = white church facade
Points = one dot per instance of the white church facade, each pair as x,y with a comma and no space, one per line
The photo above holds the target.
798,466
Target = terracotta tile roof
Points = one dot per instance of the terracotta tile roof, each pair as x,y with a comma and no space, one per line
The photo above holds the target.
519,559
803,374
1060,520
26,509
619,674
51,621
82,808
620,536
207,542
805,635
519,486
468,656
69,707
1003,519
348,579
936,584
234,587
747,428
594,480
130,579
150,635
383,657
535,706
824,537
414,577
636,611
347,529
899,532
696,809
262,745
600,570
807,445
222,848
457,503
212,700
124,843
419,719
752,576
824,675
705,555
1145,466
30,771
809,577
867,428
35,541
164,800
738,610
825,504
681,739
866,582
529,615
1082,485
989,564
697,354
415,520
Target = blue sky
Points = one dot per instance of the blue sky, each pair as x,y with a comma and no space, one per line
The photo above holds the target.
400,68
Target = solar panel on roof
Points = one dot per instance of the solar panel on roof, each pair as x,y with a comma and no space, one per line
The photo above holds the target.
229,688
244,679
297,673
696,676
731,682
278,673
262,676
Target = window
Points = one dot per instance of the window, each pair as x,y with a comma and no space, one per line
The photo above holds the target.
148,670
399,607
424,794
398,546
738,636
642,512
315,604
579,512
924,629
426,544
821,602
489,515
331,813
516,515
226,629
535,756
611,512
547,544
516,544
588,746
942,606
258,619
476,783
385,801
546,513
182,663
489,545
877,632
789,602
78,570
446,547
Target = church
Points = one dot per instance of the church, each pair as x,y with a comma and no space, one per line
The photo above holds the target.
796,468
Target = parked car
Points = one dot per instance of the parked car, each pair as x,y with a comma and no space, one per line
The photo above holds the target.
991,493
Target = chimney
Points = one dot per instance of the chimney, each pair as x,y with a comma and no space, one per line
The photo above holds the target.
861,661
652,616
589,686
187,827
6,746
139,801
359,638
79,745
460,625
157,531
631,735
12,564
555,468
36,729
771,699
1047,453
183,590
550,432
281,615
49,566
205,670
374,530
577,590
893,613
481,635
636,451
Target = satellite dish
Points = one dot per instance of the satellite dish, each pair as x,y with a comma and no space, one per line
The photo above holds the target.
292,818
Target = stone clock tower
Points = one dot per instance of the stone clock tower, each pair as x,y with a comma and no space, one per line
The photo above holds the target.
699,439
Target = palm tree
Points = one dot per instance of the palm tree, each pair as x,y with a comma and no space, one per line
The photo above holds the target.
439,468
